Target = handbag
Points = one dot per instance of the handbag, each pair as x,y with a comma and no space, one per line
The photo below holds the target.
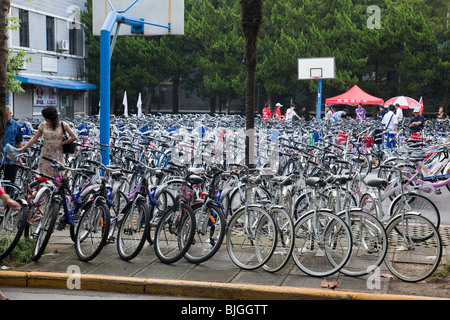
69,147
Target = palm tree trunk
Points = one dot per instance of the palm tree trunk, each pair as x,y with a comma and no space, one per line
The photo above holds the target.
251,26
4,11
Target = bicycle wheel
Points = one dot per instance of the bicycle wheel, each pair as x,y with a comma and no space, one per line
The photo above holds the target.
45,229
174,233
133,230
92,231
418,204
251,237
369,241
322,243
285,240
410,257
159,205
210,227
12,224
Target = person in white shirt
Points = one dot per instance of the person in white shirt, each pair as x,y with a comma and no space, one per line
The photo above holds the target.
399,113
390,123
290,113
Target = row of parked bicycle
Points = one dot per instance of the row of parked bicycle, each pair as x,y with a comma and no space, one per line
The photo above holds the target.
180,184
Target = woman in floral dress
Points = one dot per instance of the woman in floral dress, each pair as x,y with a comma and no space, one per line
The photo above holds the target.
53,140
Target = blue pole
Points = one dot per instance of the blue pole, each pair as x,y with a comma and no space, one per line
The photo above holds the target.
105,82
319,100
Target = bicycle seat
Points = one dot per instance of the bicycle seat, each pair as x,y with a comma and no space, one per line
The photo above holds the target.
377,182
337,179
313,181
284,181
194,179
252,180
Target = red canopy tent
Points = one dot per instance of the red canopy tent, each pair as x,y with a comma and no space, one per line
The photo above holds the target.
355,96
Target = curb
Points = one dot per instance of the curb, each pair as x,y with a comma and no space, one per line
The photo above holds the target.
198,289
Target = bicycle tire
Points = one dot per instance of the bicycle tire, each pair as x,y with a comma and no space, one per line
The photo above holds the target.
412,260
45,230
210,228
92,231
285,240
369,242
12,225
163,201
419,204
133,230
174,233
326,251
252,248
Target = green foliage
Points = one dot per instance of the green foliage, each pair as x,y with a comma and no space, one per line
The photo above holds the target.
15,61
408,55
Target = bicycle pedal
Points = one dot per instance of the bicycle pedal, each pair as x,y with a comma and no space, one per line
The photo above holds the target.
111,239
437,191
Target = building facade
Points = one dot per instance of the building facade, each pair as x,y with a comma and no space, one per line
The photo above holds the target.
51,34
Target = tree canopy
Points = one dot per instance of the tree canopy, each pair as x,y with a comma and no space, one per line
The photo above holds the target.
406,54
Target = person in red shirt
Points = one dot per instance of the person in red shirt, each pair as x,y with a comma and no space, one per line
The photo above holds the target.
277,113
267,114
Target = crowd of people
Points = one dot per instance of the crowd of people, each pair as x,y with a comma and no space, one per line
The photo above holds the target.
331,115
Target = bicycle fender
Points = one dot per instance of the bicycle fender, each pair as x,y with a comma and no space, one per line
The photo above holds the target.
22,202
278,207
39,194
88,189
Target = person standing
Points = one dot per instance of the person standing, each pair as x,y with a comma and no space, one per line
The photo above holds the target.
390,123
441,115
51,129
277,113
416,122
380,114
399,113
290,113
360,113
13,136
267,114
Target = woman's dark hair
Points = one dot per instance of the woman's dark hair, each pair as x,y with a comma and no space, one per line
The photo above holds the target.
52,114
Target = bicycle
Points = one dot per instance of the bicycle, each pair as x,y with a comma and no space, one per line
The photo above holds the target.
94,225
415,247
210,222
323,241
369,239
176,227
251,232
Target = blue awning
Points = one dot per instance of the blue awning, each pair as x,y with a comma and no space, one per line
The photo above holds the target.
57,83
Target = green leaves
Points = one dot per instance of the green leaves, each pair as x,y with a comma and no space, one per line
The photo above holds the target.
407,55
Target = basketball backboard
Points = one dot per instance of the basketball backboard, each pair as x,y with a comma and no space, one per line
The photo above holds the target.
158,12
316,68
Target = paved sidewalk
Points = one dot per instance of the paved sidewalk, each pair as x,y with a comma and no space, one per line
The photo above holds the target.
217,278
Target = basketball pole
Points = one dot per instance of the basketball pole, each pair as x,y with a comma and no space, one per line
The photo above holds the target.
319,100
106,48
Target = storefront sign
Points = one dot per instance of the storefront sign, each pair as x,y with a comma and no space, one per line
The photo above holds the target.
44,96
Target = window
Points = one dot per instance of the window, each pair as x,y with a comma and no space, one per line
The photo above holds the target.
73,39
24,35
51,34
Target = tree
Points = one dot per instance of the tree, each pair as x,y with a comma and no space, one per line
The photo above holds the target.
4,51
251,26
